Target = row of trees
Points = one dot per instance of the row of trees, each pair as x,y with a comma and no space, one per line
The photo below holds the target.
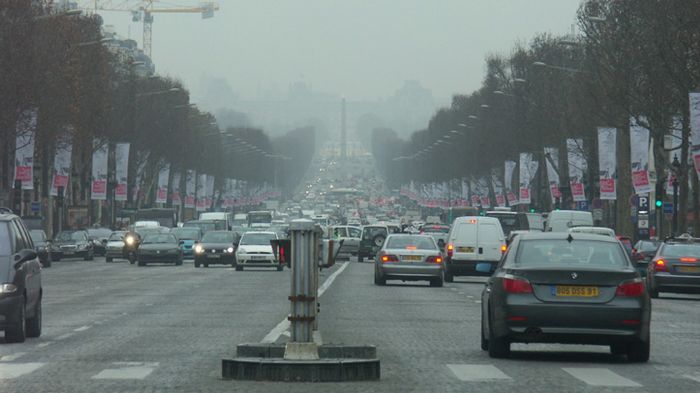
632,60
85,88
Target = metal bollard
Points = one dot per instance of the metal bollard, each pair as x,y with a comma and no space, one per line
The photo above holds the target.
305,237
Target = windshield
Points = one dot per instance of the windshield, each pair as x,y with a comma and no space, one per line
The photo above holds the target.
186,233
218,237
153,238
5,244
70,236
411,243
116,236
680,250
99,232
648,246
578,253
37,236
257,239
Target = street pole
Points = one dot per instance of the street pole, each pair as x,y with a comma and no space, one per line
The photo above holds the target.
675,207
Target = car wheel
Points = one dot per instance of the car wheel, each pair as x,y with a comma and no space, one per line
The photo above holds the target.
618,349
638,352
437,282
360,257
449,277
206,265
484,341
141,263
378,279
499,347
17,332
178,262
239,268
34,324
48,263
108,259
131,257
196,263
280,268
653,291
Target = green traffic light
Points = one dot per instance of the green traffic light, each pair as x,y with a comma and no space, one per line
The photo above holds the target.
659,203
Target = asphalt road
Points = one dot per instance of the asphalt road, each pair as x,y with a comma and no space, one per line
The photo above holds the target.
115,327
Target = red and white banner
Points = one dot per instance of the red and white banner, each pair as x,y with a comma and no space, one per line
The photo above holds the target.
607,162
639,155
99,170
162,189
61,165
175,190
577,166
551,159
528,169
694,99
497,188
508,179
121,158
24,148
190,189
201,192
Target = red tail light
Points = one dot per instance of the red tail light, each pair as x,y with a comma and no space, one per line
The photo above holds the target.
631,288
450,250
689,259
660,265
434,259
390,258
516,285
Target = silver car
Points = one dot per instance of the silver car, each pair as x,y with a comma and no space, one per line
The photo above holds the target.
409,258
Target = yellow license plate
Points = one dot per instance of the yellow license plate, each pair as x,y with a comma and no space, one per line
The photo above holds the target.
465,249
689,269
411,257
576,291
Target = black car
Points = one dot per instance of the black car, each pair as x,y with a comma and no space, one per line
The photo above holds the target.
99,238
20,281
159,248
566,288
73,244
371,241
675,267
216,247
42,245
132,240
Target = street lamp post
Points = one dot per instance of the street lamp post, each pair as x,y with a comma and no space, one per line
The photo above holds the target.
676,170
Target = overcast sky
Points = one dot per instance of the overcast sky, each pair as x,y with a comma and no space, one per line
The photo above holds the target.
360,49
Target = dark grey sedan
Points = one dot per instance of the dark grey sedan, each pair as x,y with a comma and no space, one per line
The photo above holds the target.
159,248
676,267
216,247
409,258
566,288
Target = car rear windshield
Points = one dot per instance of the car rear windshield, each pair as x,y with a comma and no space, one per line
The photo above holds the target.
371,232
186,233
68,236
257,239
411,243
152,238
116,236
218,237
648,246
680,250
436,229
577,253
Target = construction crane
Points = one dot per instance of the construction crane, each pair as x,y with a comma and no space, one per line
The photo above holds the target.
143,10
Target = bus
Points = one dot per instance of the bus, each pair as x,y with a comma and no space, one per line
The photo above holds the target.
165,217
448,216
259,219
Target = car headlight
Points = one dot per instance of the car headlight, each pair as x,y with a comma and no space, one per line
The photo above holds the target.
8,288
129,240
229,250
198,249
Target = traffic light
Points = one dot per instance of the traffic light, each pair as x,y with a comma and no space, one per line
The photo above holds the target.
532,210
660,191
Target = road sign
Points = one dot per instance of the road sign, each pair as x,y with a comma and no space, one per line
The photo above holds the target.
582,205
643,223
643,203
668,207
598,214
36,206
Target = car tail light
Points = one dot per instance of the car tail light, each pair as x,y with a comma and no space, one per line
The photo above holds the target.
450,250
660,265
504,248
390,258
434,259
632,288
689,259
516,285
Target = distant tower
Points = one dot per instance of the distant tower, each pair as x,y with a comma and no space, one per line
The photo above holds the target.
343,133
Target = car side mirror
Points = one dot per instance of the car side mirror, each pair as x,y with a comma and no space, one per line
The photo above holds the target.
483,267
181,242
24,256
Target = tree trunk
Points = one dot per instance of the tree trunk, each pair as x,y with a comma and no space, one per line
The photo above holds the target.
624,226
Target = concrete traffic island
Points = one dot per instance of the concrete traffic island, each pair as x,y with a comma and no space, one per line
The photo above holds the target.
335,363
303,359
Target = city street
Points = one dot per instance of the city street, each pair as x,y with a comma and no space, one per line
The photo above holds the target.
115,327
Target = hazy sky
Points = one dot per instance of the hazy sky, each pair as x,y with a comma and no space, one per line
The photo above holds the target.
361,49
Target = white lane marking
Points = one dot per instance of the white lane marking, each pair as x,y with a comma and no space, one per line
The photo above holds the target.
470,296
64,336
44,345
82,328
694,377
12,357
14,370
284,325
477,301
461,293
287,333
476,372
600,377
127,370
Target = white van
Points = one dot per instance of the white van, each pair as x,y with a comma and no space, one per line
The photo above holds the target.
562,220
240,220
218,216
473,240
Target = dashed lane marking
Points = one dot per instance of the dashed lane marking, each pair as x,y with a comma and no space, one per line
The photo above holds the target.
127,370
82,328
65,336
12,357
477,372
44,344
14,370
694,377
600,377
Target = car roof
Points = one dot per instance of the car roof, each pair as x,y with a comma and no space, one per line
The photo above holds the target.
7,217
258,232
565,235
